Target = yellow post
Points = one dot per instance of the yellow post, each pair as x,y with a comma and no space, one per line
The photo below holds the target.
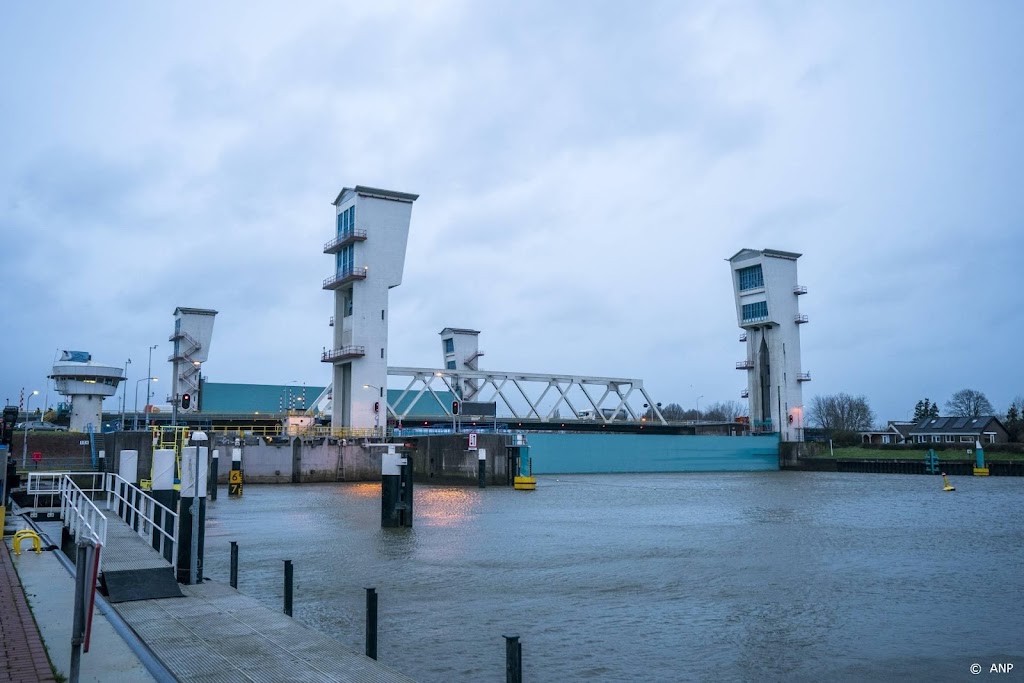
22,535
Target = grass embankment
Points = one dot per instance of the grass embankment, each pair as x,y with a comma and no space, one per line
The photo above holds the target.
856,452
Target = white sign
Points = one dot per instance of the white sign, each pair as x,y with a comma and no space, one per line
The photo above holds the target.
472,441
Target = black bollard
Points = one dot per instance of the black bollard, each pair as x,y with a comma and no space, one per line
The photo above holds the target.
234,564
513,660
288,587
371,623
481,476
211,481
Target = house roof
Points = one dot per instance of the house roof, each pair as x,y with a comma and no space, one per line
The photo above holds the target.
744,254
377,192
458,330
955,425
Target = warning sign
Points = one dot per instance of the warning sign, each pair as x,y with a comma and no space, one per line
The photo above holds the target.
472,441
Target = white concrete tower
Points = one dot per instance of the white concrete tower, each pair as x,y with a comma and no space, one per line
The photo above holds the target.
86,384
193,330
767,294
460,351
369,258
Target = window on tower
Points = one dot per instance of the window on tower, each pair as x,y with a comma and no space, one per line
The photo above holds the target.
449,346
751,277
756,311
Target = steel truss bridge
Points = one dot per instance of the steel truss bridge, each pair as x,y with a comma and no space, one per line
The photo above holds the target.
529,396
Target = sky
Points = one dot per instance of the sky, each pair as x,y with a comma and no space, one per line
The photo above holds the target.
584,170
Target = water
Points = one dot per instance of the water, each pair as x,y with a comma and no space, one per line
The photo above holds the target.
688,577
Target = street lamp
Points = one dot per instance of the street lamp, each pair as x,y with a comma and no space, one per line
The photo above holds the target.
135,425
24,442
124,390
149,373
199,381
698,405
376,413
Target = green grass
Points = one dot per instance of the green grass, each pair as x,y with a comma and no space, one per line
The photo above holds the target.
856,452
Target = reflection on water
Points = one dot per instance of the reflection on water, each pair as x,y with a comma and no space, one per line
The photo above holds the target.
753,576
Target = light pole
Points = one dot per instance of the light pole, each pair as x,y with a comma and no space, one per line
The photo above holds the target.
124,390
376,413
149,373
698,405
199,381
24,442
135,425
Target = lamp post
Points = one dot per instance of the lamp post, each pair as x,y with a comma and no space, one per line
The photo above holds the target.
376,413
24,442
135,424
199,438
199,380
124,390
149,373
698,405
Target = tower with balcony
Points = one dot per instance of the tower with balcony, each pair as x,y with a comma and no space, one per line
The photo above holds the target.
193,330
767,296
372,230
460,351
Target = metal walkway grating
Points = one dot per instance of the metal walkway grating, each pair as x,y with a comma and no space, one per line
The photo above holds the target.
217,634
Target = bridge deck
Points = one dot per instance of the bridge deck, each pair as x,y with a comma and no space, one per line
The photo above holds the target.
216,633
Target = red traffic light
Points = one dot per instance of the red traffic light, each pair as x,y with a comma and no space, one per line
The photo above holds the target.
186,401
455,407
376,406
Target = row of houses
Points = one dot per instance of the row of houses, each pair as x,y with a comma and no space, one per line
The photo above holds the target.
941,430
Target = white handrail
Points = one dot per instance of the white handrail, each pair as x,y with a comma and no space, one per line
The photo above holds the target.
139,510
80,514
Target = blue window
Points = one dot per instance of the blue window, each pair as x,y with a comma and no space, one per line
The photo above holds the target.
450,365
751,278
755,312
347,220
344,259
449,346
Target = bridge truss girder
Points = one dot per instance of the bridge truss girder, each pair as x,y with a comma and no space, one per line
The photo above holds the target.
491,386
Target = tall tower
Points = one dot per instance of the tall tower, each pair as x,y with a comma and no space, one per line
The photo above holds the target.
193,330
86,383
369,258
460,350
767,297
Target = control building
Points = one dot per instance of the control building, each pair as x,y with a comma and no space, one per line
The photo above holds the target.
767,309
460,351
86,384
369,259
193,330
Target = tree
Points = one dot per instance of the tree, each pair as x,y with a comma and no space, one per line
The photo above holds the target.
841,413
1015,419
969,403
925,409
672,412
725,411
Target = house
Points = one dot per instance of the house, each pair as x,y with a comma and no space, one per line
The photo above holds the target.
895,432
961,431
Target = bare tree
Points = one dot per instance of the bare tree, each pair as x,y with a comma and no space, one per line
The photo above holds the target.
671,412
969,403
725,411
841,413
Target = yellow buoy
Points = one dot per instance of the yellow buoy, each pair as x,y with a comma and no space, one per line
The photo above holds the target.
948,486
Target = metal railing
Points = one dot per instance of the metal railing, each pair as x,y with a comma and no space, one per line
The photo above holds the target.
79,513
344,275
349,235
140,511
343,352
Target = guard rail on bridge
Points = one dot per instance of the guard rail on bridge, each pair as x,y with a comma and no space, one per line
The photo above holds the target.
77,493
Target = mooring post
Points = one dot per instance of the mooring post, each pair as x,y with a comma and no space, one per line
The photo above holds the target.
212,479
371,623
288,587
481,475
78,610
234,564
513,660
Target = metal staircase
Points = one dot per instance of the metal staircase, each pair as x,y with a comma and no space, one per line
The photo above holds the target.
185,359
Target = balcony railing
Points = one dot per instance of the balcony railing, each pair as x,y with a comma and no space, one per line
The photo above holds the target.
343,277
800,289
800,318
745,393
347,237
743,336
344,353
803,377
745,365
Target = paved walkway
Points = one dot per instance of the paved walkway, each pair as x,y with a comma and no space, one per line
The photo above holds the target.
22,654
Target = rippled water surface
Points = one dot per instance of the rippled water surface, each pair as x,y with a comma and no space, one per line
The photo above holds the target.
752,577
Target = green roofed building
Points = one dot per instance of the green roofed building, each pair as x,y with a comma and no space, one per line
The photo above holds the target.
247,399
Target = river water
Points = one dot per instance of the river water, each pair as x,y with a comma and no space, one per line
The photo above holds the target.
779,576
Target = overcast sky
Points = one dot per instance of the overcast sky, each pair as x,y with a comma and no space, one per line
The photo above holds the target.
584,170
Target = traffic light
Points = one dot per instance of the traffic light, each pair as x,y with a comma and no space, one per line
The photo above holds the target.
376,406
455,407
186,401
